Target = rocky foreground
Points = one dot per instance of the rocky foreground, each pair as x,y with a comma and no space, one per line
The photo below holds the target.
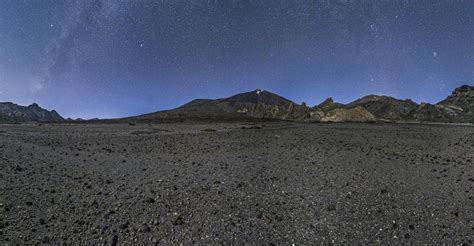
266,183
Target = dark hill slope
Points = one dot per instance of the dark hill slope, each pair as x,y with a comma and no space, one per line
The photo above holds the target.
385,107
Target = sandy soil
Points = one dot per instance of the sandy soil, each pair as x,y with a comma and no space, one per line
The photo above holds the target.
268,183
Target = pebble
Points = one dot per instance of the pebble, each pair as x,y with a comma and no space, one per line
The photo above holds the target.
114,240
144,228
124,225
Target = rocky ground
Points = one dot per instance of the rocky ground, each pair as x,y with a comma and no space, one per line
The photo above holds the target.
266,183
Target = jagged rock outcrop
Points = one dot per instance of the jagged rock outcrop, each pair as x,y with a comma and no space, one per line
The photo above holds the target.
13,113
462,97
329,104
462,102
357,114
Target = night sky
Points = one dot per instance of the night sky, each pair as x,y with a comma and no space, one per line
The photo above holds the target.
120,58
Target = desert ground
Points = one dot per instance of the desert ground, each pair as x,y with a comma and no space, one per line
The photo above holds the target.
271,183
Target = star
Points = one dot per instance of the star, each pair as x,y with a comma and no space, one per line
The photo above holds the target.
78,50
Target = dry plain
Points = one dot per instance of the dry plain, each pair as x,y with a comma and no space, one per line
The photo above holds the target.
237,183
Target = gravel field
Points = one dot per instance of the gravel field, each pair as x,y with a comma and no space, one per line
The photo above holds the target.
237,183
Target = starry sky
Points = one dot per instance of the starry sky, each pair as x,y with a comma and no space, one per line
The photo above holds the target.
114,58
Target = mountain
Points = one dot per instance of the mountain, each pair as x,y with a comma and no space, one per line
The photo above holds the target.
385,107
458,107
462,97
257,104
260,104
13,113
264,105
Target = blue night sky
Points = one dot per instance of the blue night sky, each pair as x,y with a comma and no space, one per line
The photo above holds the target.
120,58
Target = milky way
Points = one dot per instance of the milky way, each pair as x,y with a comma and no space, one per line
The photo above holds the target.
118,58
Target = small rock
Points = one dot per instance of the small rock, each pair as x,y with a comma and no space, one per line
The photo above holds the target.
45,239
20,169
114,240
178,221
7,206
395,225
144,228
124,225
149,200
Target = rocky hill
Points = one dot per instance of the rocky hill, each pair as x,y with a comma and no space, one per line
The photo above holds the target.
457,108
385,107
13,113
461,103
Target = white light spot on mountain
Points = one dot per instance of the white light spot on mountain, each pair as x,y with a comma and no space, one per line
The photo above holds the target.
435,54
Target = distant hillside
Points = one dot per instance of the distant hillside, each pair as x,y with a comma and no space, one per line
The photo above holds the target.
385,107
13,113
264,105
456,108
260,104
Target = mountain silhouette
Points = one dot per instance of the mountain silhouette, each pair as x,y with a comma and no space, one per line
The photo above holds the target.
264,105
13,113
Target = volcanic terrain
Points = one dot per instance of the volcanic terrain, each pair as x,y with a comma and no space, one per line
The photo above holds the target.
259,183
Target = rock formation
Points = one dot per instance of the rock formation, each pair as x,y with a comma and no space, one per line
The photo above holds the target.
461,101
329,104
357,114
